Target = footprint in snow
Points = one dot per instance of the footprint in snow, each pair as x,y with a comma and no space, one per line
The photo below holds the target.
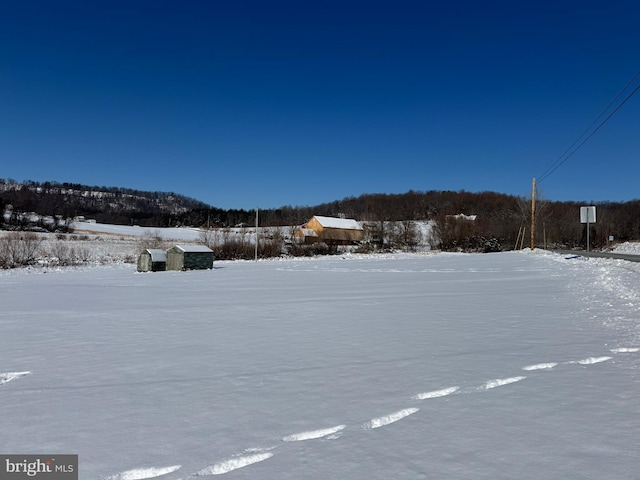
388,419
8,376
540,366
435,394
259,455
142,473
591,360
499,382
234,463
329,433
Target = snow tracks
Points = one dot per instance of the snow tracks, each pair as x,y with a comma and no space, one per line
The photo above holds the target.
8,376
252,456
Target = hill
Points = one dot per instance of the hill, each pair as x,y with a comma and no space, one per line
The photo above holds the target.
499,220
116,205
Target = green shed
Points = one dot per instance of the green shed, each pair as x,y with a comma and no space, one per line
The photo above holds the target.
152,260
189,257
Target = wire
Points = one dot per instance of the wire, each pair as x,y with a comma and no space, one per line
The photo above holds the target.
548,170
569,152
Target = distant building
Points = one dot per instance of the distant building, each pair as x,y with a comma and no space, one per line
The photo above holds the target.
305,235
331,230
189,257
152,260
462,216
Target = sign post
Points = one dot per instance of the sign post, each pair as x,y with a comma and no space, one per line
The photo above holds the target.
588,215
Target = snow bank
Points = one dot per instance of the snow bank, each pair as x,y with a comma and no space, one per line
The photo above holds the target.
631,248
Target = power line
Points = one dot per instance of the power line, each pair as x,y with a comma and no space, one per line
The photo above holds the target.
584,132
571,150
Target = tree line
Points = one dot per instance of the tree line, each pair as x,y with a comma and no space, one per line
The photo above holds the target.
466,221
120,206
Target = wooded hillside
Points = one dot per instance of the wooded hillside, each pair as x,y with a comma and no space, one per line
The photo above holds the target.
104,204
497,218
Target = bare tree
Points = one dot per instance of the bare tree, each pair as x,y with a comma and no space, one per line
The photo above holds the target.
209,237
404,235
151,239
19,249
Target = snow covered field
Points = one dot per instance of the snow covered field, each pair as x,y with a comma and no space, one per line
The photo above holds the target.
180,234
514,365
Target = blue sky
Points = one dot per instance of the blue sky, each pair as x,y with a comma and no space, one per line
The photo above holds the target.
245,104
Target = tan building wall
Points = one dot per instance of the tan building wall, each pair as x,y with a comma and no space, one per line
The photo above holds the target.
334,235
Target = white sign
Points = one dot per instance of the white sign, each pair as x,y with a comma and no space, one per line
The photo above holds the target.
587,214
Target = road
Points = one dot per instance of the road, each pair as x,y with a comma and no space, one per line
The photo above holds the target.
584,253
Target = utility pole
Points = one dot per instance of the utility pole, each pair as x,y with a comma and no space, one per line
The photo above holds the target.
533,213
256,234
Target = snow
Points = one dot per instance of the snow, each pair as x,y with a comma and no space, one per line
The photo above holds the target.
8,376
436,393
631,248
509,365
334,222
194,248
157,255
227,466
184,234
499,382
540,366
389,419
142,473
323,432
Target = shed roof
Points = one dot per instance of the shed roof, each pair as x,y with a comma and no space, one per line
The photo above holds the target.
194,248
334,222
157,255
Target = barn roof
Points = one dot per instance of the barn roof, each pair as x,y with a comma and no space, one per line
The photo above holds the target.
343,223
157,255
194,248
